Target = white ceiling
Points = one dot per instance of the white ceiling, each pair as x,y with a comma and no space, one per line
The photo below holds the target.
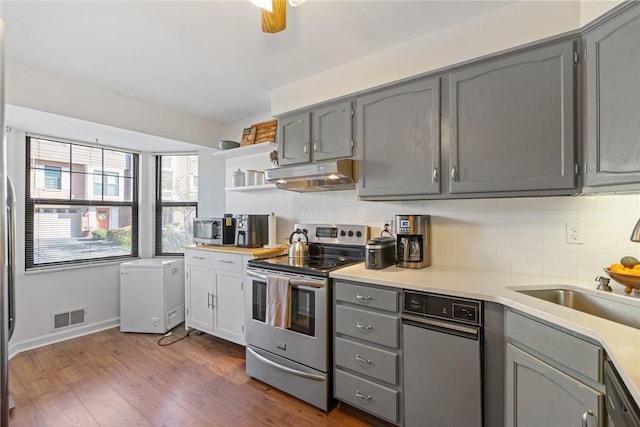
210,58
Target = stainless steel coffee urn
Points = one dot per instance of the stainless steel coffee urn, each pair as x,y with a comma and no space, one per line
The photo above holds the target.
413,248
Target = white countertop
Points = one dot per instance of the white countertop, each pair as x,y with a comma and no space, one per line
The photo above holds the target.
622,343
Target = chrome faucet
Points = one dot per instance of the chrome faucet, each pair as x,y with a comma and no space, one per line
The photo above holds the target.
603,284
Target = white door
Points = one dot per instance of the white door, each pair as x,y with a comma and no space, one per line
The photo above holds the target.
229,306
201,281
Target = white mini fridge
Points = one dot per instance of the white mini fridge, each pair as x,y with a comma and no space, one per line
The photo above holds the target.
151,295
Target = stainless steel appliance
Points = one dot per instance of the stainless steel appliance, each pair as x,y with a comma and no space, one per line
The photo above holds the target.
413,241
7,239
252,231
297,359
215,231
621,408
380,253
317,176
442,348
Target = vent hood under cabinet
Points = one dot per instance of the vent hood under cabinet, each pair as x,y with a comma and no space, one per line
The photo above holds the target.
320,176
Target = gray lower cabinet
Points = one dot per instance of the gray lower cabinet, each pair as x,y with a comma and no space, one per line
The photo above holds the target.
612,100
367,371
323,133
398,132
511,123
552,378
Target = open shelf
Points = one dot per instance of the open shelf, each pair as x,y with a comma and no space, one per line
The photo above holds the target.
252,187
247,150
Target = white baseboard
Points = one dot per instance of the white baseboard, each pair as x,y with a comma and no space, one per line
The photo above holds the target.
18,347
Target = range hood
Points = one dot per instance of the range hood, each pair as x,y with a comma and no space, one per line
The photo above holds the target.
321,176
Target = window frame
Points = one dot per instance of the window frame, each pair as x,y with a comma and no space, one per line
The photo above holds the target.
70,204
160,176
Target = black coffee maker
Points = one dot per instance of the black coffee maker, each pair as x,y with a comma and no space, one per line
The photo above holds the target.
413,247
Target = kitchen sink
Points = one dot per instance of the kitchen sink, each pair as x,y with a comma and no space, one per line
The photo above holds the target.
595,305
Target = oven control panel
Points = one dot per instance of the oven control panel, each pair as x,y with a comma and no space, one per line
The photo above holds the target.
336,234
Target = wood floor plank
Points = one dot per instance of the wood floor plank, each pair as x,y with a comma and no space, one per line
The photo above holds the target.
112,378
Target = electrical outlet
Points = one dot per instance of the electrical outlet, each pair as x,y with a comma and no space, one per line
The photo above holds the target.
574,234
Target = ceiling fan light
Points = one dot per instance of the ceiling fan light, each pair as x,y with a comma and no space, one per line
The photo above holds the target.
296,2
264,4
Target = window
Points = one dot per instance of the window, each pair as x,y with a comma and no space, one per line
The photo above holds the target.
52,178
79,224
112,180
176,202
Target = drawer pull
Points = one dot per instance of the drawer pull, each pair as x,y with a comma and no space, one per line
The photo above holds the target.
363,326
224,261
363,360
363,298
197,257
362,396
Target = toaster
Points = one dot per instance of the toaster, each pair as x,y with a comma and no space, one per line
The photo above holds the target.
380,252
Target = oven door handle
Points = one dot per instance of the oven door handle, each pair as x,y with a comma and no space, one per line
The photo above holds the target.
286,368
293,282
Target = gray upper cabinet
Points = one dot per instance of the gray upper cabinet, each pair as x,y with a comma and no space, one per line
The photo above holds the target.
612,101
294,137
399,140
511,123
332,127
323,133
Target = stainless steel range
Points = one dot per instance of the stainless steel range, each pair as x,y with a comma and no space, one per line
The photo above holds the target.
289,331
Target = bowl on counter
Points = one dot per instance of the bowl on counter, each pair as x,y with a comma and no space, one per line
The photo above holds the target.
629,281
227,144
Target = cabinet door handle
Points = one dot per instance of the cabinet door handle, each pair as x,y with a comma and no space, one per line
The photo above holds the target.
363,360
585,417
124,273
362,396
454,173
209,300
316,146
363,326
363,298
214,301
305,149
434,176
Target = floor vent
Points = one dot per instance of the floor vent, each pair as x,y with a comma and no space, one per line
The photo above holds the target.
69,318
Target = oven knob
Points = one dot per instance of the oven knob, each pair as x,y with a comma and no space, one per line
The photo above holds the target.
358,233
343,233
350,233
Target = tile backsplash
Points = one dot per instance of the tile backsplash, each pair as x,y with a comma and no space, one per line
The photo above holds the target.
519,235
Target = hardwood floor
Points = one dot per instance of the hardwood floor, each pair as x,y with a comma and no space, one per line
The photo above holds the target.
113,378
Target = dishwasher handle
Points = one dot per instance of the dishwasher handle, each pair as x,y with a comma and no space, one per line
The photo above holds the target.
451,328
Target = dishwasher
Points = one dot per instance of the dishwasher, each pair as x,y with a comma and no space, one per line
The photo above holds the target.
442,356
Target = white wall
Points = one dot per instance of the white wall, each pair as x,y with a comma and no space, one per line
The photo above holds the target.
41,90
38,295
510,26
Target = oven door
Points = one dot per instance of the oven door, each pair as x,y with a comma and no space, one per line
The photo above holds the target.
306,340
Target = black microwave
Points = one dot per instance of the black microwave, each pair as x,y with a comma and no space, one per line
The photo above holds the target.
215,231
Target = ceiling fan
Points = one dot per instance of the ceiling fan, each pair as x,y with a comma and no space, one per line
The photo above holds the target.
274,13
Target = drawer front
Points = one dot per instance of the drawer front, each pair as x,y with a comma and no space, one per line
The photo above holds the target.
581,356
198,258
367,360
226,262
367,296
374,327
368,396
